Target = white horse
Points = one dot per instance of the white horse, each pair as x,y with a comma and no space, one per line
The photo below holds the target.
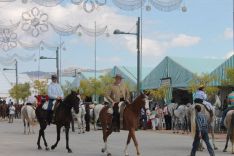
211,119
80,118
179,116
94,113
29,118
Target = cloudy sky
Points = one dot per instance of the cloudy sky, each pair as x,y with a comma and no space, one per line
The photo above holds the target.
204,31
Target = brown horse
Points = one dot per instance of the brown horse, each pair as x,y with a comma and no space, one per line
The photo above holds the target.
130,119
62,118
229,124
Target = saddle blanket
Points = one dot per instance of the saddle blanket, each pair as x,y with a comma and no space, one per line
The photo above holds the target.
46,104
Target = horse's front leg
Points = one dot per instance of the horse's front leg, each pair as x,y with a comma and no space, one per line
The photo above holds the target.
226,145
133,136
58,137
67,138
128,142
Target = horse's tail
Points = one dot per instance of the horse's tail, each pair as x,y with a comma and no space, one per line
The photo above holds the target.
193,122
232,128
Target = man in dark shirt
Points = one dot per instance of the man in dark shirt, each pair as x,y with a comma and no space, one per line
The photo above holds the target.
201,132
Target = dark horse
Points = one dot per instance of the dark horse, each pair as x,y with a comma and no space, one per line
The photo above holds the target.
130,121
62,118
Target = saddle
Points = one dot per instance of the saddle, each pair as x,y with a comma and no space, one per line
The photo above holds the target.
208,110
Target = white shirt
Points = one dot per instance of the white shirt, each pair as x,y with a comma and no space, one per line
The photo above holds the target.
55,90
12,110
200,95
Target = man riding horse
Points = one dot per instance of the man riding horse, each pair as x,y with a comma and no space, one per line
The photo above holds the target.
55,94
201,97
117,93
230,101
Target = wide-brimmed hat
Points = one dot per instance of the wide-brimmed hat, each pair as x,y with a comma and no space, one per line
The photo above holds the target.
54,77
201,86
118,76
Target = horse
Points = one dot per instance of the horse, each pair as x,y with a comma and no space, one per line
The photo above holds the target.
131,116
229,124
29,117
94,114
62,117
211,120
80,119
179,116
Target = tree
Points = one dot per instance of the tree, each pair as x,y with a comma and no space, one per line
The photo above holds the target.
204,79
160,93
67,88
40,86
229,81
20,91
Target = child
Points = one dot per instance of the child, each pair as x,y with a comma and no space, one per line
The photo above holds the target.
201,132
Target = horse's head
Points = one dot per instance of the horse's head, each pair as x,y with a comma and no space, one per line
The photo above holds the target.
142,101
73,101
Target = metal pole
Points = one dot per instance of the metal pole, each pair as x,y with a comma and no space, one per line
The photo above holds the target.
57,63
95,58
138,57
16,78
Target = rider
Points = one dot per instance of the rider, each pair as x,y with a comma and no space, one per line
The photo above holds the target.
201,97
230,101
55,92
118,92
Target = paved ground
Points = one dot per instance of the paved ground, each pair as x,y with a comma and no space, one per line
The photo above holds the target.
14,143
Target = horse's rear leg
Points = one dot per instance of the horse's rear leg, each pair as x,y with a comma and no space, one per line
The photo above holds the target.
42,134
24,126
67,139
58,137
128,142
133,135
213,138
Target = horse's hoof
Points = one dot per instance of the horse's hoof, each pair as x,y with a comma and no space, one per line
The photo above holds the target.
103,150
109,154
47,148
53,147
69,151
126,154
39,148
224,150
215,148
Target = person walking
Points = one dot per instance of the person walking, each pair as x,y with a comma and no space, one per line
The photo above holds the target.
154,119
201,132
11,112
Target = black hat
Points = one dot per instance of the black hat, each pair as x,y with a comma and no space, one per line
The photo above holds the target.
54,77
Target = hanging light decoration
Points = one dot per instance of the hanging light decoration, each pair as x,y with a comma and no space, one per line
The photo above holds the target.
8,39
35,22
166,5
48,3
89,5
129,4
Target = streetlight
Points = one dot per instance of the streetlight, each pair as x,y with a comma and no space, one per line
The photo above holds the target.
117,32
16,75
57,61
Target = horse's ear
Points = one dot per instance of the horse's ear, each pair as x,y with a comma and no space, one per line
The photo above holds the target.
73,92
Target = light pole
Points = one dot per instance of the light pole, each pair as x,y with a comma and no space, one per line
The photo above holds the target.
57,61
16,75
116,32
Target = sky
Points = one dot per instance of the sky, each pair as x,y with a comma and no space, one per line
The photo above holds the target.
204,31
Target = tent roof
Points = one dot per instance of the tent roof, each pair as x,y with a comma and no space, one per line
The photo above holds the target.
220,73
180,70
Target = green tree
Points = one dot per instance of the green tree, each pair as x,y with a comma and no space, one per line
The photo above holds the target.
204,79
20,91
159,93
40,86
229,81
